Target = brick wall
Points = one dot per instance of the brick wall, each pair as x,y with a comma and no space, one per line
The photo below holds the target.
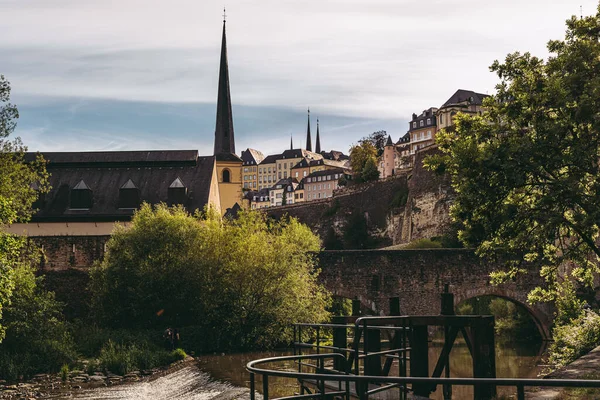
64,252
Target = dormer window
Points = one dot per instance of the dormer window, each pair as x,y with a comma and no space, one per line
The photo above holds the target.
81,197
177,193
129,195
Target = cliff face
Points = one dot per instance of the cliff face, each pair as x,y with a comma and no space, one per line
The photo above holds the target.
407,207
427,212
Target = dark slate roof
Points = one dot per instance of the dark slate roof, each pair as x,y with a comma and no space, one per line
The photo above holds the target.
232,213
262,192
271,159
426,114
252,157
326,172
301,164
462,95
334,155
389,141
151,172
111,159
227,157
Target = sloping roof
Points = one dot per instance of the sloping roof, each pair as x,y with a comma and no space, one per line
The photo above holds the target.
105,178
334,155
326,172
462,95
389,141
301,164
232,213
227,157
271,159
252,156
106,159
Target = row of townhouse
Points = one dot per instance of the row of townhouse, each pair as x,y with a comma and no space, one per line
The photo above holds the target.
317,185
422,130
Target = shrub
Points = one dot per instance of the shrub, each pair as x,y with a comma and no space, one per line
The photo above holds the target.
64,372
245,280
575,339
423,244
178,354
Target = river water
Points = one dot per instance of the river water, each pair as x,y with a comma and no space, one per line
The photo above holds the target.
221,376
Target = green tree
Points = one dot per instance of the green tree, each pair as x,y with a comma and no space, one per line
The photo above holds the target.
20,183
360,155
377,139
243,282
370,171
526,172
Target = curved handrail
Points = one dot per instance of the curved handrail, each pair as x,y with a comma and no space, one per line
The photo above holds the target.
520,383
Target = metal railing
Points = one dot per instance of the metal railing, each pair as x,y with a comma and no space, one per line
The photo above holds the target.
339,386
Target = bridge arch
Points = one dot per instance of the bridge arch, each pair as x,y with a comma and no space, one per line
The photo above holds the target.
538,316
418,277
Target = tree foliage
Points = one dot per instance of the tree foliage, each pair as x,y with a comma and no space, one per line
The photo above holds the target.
363,157
20,183
244,281
526,172
377,139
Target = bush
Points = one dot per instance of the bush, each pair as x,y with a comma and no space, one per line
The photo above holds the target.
122,359
64,372
178,354
423,244
37,339
575,339
245,281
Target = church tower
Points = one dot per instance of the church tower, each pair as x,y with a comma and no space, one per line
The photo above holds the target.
229,165
308,140
318,141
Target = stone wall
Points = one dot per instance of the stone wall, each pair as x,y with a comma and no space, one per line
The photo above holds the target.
418,278
65,252
427,213
378,202
423,213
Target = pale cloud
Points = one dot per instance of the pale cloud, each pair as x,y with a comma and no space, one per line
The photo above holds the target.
375,60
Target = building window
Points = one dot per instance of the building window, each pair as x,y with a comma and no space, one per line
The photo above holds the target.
441,119
129,195
284,174
414,124
421,123
81,196
428,121
177,192
226,176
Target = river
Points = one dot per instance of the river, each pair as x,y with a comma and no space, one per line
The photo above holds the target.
221,374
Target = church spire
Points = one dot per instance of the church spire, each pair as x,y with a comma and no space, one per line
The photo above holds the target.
224,139
318,141
308,140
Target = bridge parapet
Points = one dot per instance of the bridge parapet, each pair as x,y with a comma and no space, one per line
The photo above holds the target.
418,277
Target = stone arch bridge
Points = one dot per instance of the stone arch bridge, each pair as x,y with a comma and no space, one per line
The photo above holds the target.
418,277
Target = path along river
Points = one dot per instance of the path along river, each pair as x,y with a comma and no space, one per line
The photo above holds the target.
222,377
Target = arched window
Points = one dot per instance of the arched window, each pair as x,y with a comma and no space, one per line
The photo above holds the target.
226,176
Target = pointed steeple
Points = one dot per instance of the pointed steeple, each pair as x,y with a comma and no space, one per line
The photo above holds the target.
308,140
318,142
389,141
291,142
224,139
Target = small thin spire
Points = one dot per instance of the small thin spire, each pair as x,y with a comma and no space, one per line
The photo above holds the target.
224,15
291,142
318,142
308,139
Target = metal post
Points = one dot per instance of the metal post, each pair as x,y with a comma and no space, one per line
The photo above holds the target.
355,307
447,308
340,341
252,388
520,392
419,359
484,355
265,387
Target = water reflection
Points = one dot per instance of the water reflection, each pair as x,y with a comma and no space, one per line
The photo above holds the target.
513,360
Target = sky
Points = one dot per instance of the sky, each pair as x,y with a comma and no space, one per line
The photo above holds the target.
90,75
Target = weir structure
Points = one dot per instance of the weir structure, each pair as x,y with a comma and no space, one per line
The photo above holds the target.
386,357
